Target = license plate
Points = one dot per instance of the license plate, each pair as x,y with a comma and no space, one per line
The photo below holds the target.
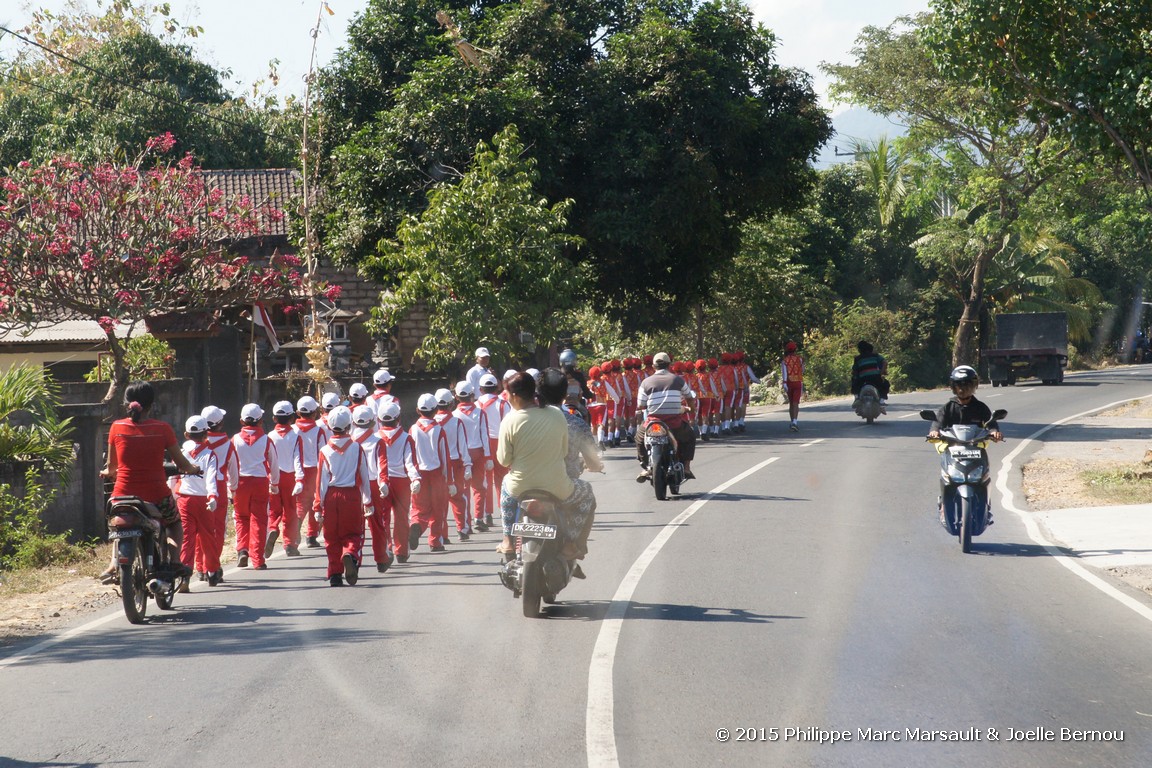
966,453
534,531
129,534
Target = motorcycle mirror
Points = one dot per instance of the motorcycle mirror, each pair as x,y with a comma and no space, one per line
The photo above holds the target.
928,415
999,414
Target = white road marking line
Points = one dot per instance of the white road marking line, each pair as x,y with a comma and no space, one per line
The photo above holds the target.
910,415
1033,528
599,721
802,445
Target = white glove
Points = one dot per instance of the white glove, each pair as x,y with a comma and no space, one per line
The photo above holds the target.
415,487
488,465
369,510
231,493
273,489
319,519
383,490
298,488
467,474
211,503
451,490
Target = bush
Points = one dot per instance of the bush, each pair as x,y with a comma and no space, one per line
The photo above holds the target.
23,540
146,357
828,357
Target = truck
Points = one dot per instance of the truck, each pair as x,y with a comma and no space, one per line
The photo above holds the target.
1028,344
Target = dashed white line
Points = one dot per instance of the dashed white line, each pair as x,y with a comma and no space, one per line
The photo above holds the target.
599,721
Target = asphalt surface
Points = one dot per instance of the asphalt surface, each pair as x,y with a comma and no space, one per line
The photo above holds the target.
799,606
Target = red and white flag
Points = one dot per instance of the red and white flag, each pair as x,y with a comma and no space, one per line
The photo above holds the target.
261,317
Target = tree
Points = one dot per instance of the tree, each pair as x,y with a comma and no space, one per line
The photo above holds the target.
120,243
667,124
1083,65
485,258
984,152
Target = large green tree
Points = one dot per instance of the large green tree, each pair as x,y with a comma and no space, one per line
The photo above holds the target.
667,124
1083,65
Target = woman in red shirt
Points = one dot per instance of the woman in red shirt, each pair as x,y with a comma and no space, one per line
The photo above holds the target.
137,447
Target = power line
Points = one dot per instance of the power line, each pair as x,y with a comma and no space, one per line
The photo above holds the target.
151,94
53,91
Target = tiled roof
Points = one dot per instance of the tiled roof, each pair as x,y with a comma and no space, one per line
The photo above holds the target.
66,331
266,186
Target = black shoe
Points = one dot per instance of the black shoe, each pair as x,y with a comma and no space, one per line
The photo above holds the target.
488,520
445,540
242,559
182,570
688,475
336,581
463,536
578,572
261,567
437,548
312,543
201,576
414,534
705,437
215,578
351,569
270,544
401,558
292,551
383,567
480,525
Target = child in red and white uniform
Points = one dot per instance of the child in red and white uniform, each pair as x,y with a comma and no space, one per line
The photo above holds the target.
476,435
283,518
344,497
494,408
364,435
253,476
312,434
459,459
382,393
398,470
437,482
221,445
196,499
606,397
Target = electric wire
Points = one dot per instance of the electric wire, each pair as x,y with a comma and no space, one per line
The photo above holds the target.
151,94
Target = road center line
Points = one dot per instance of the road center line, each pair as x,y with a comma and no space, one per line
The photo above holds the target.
1033,527
599,721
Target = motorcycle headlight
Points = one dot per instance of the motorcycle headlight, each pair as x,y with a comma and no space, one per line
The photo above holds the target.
977,473
954,474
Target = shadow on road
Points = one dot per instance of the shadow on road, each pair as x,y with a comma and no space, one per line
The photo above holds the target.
595,610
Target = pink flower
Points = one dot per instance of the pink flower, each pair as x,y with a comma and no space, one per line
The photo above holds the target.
107,324
332,292
163,143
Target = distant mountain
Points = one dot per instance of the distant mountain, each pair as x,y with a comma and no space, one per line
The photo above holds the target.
856,124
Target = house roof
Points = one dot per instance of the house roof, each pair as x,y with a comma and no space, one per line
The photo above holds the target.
66,332
266,186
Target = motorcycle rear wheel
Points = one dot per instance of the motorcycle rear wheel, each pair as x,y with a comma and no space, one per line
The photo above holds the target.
659,463
965,524
530,593
133,583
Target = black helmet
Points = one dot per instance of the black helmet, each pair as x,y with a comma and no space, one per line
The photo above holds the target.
964,374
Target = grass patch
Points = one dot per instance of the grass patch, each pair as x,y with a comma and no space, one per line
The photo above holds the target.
1120,484
88,562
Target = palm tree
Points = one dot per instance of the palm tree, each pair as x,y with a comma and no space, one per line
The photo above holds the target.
30,428
885,166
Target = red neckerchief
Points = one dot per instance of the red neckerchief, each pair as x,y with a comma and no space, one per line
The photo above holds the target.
283,429
305,424
251,434
333,443
466,408
200,448
426,424
223,438
391,434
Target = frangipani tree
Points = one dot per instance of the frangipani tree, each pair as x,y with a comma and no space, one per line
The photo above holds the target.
121,243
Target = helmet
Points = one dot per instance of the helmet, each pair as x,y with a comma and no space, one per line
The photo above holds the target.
647,359
340,417
713,363
568,357
964,374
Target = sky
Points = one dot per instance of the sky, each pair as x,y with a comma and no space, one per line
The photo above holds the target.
243,35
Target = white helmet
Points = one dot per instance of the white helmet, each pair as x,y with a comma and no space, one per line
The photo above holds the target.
340,418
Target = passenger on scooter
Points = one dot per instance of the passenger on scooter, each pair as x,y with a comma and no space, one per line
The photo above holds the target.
964,408
667,397
533,445
869,368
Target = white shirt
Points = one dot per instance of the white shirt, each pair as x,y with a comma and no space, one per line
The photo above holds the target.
313,434
369,442
202,455
475,373
251,460
495,409
398,453
475,426
342,465
457,440
430,445
289,447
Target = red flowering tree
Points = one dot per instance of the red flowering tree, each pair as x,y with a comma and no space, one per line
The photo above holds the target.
118,244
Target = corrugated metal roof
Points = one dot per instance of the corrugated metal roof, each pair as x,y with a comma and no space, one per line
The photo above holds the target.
278,187
66,331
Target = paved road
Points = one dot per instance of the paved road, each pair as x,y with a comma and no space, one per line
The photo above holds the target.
814,598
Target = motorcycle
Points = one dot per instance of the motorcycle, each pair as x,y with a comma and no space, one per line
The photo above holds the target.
538,570
867,405
144,564
666,471
964,478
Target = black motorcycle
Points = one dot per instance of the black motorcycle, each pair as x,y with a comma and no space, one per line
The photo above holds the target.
666,471
538,570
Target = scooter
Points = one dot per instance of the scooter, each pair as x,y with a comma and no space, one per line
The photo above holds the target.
538,570
667,471
144,567
867,405
964,478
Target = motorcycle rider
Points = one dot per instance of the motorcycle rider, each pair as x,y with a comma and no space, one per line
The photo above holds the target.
869,368
667,397
964,408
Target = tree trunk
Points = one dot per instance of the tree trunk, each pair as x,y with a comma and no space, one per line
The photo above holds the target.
963,346
119,380
699,329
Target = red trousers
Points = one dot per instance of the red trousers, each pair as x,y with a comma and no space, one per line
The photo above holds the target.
459,502
378,525
479,484
494,478
430,506
282,511
399,503
213,538
343,527
197,522
306,507
250,510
